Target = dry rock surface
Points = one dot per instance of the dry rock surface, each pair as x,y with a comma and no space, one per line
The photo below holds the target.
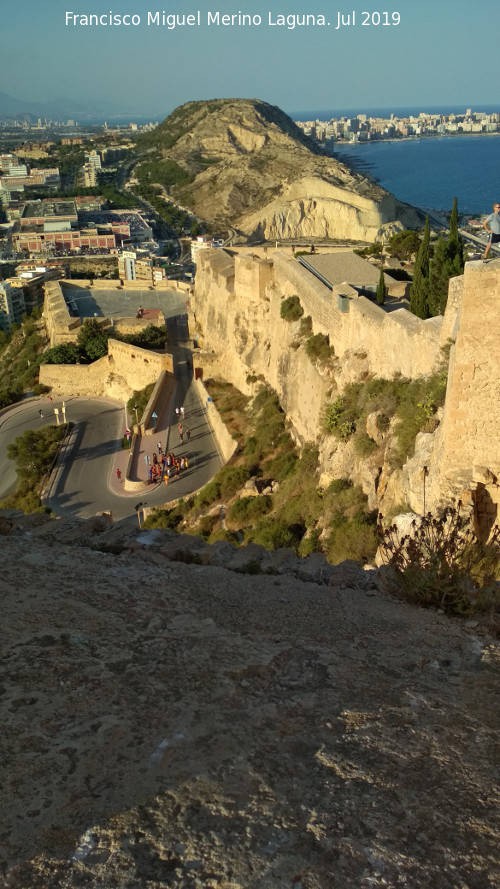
185,725
253,168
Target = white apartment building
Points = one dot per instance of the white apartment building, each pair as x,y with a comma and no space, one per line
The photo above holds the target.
12,305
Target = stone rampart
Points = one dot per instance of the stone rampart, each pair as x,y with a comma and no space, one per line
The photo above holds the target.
396,342
61,327
124,369
227,445
468,443
237,306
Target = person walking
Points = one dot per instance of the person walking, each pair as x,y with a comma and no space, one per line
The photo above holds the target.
158,448
119,475
40,413
492,225
177,412
181,435
188,434
146,460
182,411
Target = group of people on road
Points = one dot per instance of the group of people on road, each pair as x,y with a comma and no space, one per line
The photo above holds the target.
165,466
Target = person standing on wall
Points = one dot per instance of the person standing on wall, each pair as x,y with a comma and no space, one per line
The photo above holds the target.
492,225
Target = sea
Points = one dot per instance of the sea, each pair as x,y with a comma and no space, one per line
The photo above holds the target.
428,172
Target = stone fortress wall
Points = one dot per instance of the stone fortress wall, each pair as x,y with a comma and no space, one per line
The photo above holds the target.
124,369
62,327
237,306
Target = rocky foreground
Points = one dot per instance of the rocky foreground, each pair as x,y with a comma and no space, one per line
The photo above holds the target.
185,725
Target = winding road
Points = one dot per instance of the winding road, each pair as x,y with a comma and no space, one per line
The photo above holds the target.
84,481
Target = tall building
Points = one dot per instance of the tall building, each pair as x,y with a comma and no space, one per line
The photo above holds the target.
12,305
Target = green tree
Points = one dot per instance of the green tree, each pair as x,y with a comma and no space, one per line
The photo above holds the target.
447,262
381,289
404,244
92,340
66,353
419,290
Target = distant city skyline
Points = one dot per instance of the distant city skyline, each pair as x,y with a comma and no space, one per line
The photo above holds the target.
438,55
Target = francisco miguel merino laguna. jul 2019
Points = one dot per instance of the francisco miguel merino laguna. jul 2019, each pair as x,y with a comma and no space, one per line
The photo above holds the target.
215,18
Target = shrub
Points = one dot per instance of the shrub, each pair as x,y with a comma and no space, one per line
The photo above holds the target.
351,539
442,564
208,495
291,309
364,445
230,479
66,353
318,347
248,509
166,518
273,533
282,466
311,543
339,419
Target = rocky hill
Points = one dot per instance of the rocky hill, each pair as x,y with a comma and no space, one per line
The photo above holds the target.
172,724
251,167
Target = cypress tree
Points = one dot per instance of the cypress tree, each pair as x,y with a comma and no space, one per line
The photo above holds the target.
419,290
448,261
381,289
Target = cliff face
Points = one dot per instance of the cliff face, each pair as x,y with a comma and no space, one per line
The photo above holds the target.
255,170
237,302
175,724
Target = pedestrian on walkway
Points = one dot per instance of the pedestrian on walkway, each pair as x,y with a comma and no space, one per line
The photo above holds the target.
165,478
40,413
146,460
181,436
119,475
188,434
492,225
177,412
182,412
186,463
159,447
180,427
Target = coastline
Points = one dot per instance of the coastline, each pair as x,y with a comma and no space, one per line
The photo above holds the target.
428,171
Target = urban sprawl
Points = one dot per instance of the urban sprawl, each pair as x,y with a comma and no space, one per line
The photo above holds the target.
58,191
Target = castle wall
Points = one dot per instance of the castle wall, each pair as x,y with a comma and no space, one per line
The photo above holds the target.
471,423
237,304
226,443
124,369
395,342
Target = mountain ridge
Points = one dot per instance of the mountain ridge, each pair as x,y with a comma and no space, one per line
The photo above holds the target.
253,168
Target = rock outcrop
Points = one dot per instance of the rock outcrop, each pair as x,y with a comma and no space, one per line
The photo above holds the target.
254,169
171,724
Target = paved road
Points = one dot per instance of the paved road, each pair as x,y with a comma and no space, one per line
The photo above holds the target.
86,482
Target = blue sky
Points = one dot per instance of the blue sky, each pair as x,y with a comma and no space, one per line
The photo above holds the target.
441,53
